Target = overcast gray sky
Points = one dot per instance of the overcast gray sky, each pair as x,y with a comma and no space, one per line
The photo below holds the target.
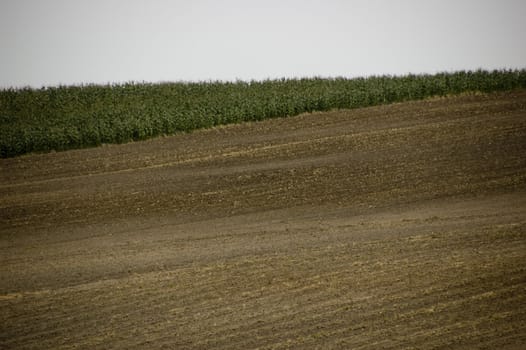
50,42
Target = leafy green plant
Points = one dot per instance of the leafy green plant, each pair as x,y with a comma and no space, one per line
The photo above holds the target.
66,117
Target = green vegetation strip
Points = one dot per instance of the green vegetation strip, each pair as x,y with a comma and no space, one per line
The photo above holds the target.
68,117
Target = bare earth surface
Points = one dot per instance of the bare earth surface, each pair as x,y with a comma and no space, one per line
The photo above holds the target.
400,226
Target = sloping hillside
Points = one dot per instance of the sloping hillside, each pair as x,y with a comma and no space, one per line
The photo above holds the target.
396,226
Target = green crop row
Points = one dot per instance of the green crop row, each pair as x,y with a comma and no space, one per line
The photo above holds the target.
66,117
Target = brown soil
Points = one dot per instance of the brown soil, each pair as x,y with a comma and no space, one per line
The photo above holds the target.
399,226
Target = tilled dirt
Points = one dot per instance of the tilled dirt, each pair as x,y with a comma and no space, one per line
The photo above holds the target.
399,226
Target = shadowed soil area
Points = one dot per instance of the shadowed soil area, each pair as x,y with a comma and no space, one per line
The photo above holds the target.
398,226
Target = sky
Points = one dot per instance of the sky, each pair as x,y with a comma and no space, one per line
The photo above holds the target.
52,42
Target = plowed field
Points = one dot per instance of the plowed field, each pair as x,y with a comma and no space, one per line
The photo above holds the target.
399,226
